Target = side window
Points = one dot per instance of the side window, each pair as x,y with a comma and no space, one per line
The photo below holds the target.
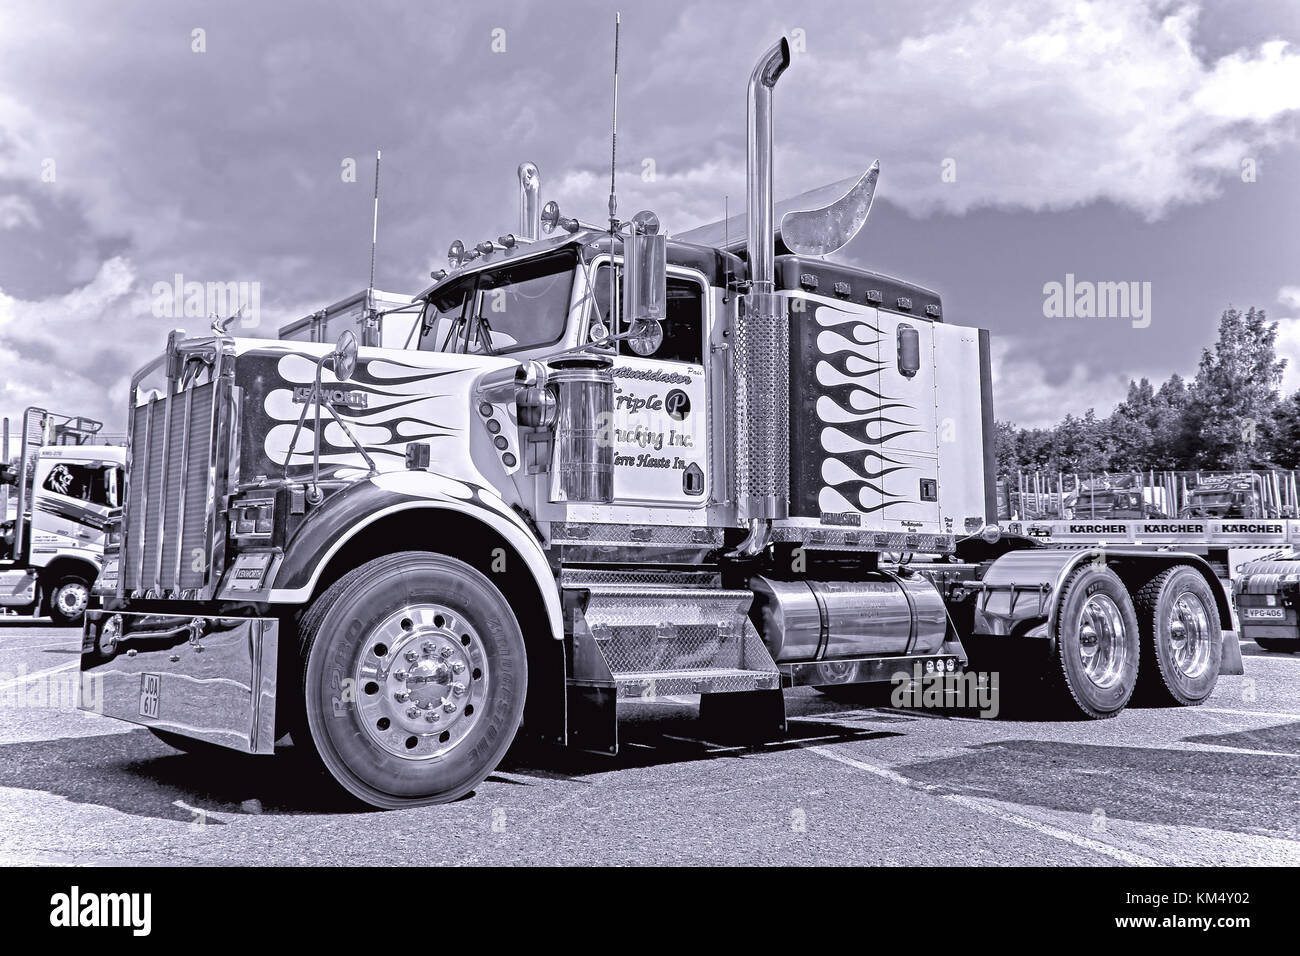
441,324
683,327
93,483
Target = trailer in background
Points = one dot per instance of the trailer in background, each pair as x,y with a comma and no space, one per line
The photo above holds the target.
380,319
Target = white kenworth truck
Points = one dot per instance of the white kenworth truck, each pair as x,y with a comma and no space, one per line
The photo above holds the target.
67,489
613,466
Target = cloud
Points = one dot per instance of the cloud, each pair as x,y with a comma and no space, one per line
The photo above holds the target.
16,211
1289,296
1034,398
1047,106
64,353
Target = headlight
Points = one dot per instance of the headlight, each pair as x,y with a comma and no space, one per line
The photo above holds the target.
254,519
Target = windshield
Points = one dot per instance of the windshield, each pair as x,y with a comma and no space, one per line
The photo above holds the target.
1204,498
516,306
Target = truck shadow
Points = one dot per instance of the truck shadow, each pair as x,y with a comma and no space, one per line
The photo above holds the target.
1248,793
136,774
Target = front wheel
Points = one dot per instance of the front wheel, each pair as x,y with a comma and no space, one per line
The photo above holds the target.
414,676
68,601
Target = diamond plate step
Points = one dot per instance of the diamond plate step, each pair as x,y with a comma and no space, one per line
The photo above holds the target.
660,639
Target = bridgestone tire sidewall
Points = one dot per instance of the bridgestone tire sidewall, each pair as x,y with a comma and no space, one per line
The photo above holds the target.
1093,700
348,752
1183,689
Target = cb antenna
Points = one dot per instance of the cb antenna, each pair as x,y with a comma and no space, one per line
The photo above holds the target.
613,136
614,304
374,238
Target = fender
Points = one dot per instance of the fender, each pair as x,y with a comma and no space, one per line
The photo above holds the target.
343,515
1021,588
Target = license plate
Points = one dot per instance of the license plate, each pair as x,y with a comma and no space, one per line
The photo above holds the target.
150,687
1265,612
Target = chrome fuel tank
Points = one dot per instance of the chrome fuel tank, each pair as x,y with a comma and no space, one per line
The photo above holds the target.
881,613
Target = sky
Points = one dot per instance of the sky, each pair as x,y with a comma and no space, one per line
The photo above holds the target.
1020,143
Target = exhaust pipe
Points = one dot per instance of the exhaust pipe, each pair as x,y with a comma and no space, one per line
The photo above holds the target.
530,210
762,341
761,231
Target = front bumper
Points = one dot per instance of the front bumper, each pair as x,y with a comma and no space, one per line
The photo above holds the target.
209,678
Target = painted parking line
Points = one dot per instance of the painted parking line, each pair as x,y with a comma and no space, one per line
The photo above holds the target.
25,678
970,803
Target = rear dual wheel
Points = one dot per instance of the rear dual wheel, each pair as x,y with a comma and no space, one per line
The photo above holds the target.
1182,640
1097,643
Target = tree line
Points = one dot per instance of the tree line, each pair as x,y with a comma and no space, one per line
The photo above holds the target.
1230,417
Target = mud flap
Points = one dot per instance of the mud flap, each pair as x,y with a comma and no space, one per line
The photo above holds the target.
1231,664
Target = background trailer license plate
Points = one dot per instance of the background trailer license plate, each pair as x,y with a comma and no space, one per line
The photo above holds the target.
1265,612
150,685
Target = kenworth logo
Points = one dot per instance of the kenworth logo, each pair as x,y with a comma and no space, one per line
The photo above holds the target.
334,396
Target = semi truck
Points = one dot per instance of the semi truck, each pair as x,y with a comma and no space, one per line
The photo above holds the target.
52,547
1267,596
1230,496
615,465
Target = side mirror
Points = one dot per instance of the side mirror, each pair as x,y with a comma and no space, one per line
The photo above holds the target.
645,284
345,356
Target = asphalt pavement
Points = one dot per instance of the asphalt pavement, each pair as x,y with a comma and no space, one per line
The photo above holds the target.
848,784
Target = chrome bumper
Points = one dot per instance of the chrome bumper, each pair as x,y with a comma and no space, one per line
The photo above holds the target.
209,678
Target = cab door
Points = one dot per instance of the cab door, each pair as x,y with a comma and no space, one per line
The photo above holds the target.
72,502
661,398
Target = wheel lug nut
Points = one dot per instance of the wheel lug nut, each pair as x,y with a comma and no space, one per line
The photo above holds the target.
413,713
445,652
412,656
402,696
449,706
400,675
458,667
458,689
428,648
433,717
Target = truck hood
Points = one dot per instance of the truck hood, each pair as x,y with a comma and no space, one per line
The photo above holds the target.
395,397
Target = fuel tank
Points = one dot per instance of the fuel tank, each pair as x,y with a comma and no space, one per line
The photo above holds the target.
880,613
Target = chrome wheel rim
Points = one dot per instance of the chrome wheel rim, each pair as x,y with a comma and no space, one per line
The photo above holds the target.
1102,647
1189,635
420,682
72,599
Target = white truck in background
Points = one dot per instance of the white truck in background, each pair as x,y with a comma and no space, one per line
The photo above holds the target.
52,541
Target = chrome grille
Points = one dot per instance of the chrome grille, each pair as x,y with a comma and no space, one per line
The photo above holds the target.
165,544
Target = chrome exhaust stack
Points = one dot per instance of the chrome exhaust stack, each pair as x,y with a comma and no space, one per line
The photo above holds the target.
762,344
530,208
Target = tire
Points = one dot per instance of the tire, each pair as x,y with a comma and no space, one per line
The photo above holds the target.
68,601
413,680
1182,639
1095,663
1284,645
